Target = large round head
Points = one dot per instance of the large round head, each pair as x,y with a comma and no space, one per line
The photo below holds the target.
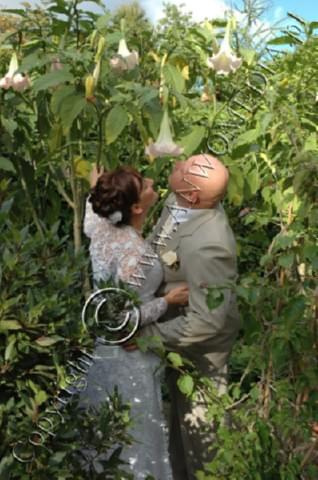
200,181
123,190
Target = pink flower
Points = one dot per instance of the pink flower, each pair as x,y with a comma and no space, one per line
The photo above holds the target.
164,144
56,65
20,82
17,81
125,60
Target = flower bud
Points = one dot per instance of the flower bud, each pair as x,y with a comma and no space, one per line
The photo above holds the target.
100,48
89,87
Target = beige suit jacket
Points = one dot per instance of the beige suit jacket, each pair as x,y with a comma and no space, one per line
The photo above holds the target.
206,252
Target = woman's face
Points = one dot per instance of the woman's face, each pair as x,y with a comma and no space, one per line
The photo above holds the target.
148,196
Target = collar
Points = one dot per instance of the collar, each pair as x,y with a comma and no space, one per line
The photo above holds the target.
183,214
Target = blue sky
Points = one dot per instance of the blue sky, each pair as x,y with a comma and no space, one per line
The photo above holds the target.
308,9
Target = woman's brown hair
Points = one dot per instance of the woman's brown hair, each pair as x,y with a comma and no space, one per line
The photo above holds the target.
116,190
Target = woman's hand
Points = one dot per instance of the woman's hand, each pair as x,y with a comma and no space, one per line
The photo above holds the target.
95,174
178,296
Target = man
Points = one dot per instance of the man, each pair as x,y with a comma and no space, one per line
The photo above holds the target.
197,246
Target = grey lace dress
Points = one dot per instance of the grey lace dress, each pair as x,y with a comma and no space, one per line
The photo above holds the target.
121,253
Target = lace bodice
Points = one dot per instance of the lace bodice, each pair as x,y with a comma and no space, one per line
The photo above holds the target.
120,253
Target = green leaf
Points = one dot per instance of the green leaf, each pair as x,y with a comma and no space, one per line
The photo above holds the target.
284,40
248,55
59,95
236,186
116,121
40,397
286,260
175,359
311,254
9,125
247,137
214,298
70,109
103,21
294,310
9,325
48,341
185,384
193,140
313,25
6,165
173,77
52,79
10,350
253,180
311,142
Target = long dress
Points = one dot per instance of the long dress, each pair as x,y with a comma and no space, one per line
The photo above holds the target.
121,253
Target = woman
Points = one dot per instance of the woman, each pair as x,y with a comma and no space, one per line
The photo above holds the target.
115,212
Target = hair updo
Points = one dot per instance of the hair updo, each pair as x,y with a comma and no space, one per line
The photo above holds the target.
115,191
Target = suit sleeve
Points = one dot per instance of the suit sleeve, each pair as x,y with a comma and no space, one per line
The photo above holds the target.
210,265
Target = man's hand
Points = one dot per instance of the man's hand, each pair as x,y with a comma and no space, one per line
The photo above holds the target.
178,296
130,347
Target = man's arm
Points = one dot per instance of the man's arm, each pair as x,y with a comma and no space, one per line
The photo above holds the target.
210,265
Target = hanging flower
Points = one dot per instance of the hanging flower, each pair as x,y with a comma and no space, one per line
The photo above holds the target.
125,60
164,144
20,82
225,61
15,80
56,65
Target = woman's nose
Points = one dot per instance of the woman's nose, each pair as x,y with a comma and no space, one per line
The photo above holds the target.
150,182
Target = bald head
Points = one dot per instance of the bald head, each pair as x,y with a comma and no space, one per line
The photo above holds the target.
200,181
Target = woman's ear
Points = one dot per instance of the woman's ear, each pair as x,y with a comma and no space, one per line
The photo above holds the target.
136,209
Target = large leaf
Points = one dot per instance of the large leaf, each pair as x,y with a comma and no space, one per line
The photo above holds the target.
174,77
192,141
59,95
116,121
5,164
52,79
70,109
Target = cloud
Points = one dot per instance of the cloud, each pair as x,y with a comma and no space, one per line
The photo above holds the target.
200,9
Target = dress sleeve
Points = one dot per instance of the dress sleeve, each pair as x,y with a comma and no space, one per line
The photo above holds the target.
151,311
131,271
91,219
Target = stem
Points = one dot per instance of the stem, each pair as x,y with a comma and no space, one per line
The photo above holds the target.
77,230
29,199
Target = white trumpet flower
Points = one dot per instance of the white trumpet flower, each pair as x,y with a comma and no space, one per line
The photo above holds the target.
125,60
164,144
225,62
15,80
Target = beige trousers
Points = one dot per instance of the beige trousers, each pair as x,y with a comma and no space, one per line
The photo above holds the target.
190,435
